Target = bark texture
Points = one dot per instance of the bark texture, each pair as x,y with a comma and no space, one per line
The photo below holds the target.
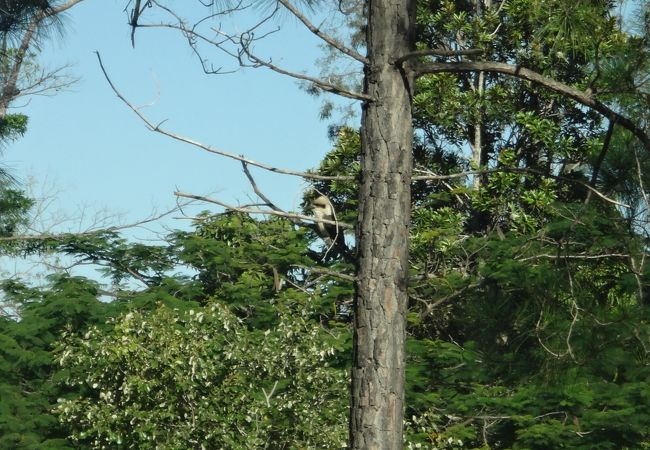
376,417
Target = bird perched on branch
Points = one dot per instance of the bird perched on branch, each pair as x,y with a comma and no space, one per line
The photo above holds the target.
333,236
322,209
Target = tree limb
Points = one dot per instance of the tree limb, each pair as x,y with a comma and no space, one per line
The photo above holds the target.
331,41
157,128
9,90
578,257
320,83
257,191
603,152
421,68
329,272
438,52
271,212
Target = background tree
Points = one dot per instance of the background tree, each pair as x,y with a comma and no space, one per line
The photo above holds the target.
23,23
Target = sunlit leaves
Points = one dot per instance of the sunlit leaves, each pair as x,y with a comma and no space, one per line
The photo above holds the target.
201,379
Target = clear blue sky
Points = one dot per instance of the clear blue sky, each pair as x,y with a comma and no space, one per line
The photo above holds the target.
93,147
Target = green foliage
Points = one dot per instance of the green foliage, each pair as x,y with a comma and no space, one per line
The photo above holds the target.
278,336
14,206
201,379
13,126
257,267
29,376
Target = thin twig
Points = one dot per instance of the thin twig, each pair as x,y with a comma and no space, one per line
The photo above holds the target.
262,211
324,271
328,87
257,191
60,236
538,328
243,41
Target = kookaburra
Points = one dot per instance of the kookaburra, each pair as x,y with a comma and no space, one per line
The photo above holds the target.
322,209
332,235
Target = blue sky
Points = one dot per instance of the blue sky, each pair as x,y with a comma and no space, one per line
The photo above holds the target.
89,146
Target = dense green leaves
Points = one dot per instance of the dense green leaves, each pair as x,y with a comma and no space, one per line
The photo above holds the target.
29,377
201,379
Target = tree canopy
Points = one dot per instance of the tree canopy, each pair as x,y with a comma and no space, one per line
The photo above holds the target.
527,315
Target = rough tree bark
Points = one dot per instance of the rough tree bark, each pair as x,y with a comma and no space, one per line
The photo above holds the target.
376,415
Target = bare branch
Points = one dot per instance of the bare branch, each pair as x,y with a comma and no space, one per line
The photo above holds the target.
586,99
325,37
263,211
435,177
259,193
90,232
243,41
324,271
579,256
438,52
158,129
320,83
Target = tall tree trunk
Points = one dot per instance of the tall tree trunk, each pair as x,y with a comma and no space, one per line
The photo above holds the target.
376,416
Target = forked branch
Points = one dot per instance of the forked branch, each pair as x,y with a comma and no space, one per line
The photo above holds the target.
242,42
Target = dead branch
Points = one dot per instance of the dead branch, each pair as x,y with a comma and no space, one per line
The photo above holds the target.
257,191
158,129
263,211
324,271
243,41
325,37
320,83
438,52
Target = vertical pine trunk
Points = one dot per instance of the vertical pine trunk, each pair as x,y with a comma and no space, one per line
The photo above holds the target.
376,417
